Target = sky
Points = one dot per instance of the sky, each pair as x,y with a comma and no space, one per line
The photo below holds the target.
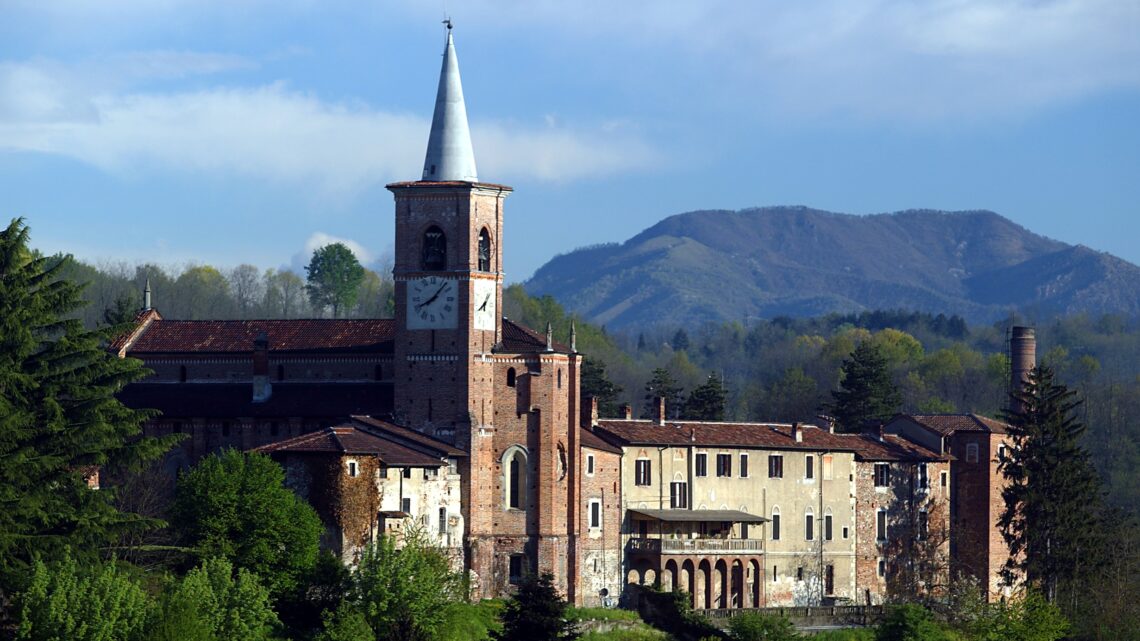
198,132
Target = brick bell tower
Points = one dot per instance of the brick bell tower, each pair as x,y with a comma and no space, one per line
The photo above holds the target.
464,374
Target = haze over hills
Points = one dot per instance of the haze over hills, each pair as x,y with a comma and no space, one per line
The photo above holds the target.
794,261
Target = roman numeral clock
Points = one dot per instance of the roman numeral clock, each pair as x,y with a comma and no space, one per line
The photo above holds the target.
432,303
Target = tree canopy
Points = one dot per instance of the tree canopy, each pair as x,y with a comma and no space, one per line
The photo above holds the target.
536,611
334,274
866,391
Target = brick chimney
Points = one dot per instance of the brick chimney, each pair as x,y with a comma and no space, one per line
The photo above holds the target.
589,411
659,413
797,433
627,412
262,388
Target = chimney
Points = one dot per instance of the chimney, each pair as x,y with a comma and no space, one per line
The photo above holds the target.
573,338
1022,359
549,338
146,295
262,389
660,413
882,433
627,412
590,411
797,433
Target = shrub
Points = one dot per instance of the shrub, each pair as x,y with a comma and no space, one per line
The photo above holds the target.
753,626
97,603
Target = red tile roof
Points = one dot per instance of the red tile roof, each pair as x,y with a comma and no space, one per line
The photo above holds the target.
518,339
760,436
589,438
214,336
947,424
351,438
402,433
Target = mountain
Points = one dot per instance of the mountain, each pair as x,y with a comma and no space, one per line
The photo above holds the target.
794,261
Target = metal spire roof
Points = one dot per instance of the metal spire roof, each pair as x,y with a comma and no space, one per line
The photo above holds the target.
449,152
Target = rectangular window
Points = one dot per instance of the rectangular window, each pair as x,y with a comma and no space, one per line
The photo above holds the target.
882,568
702,464
809,527
845,532
828,464
442,520
775,466
882,474
407,472
641,472
827,527
829,579
944,479
775,575
923,479
923,524
744,530
517,568
971,452
679,495
881,525
724,465
743,466
595,514
383,471
775,527
800,573
406,505
589,465
809,467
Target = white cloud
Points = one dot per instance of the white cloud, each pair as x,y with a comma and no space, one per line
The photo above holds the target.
319,239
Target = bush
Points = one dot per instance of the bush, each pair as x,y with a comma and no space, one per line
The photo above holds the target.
1031,618
753,626
216,602
536,611
601,614
471,621
98,603
911,623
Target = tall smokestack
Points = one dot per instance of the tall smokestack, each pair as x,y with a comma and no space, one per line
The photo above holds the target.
1022,359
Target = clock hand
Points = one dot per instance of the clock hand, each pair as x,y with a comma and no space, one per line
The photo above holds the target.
486,299
432,299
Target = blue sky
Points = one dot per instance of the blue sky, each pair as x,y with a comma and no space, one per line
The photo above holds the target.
246,131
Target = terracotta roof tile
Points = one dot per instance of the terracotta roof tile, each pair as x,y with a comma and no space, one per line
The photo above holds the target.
214,336
947,424
350,438
400,432
518,339
589,438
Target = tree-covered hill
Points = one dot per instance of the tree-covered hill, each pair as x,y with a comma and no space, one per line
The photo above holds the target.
720,266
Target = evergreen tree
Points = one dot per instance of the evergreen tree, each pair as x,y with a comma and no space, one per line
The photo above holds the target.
59,419
596,384
680,340
866,391
1052,493
706,402
236,506
334,277
536,611
663,385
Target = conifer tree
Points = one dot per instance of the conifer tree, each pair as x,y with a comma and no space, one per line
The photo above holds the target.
1052,493
706,402
596,384
662,385
537,611
59,419
866,390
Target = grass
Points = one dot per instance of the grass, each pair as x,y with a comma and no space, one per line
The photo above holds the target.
601,614
850,634
471,621
639,633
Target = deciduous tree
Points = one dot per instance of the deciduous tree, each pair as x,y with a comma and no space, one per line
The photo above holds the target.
334,276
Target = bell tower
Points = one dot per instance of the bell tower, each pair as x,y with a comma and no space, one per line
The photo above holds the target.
448,277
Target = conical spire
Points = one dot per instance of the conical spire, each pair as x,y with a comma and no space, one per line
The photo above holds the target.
449,152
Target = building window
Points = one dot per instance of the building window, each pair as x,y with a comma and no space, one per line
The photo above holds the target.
881,525
743,466
182,374
844,532
724,465
829,579
809,467
775,524
589,465
775,466
516,470
406,505
406,472
744,530
641,472
828,464
702,464
595,513
484,250
971,452
352,471
923,479
809,526
679,495
944,479
882,568
923,525
827,527
434,256
800,573
383,471
775,575
511,377
518,568
442,521
882,474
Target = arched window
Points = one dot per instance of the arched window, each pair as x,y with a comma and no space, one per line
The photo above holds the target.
775,524
484,250
511,377
434,249
514,481
809,525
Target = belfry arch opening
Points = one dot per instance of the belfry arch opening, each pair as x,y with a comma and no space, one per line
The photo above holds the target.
484,262
434,250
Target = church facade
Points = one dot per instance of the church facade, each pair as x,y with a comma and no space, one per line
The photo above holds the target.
454,419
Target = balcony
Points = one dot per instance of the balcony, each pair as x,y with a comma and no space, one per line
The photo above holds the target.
696,546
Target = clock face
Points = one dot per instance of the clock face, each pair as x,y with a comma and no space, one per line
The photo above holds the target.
433,303
483,304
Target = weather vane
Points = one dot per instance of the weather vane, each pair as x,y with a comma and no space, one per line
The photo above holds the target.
447,21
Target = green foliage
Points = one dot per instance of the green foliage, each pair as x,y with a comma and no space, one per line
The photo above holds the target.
67,603
235,506
346,623
404,593
673,613
706,402
867,392
215,602
753,626
911,623
471,621
1030,618
601,614
663,385
637,633
595,384
849,634
59,419
536,611
1052,492
334,275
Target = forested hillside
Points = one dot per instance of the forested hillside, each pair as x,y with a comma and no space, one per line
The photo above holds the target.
720,266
